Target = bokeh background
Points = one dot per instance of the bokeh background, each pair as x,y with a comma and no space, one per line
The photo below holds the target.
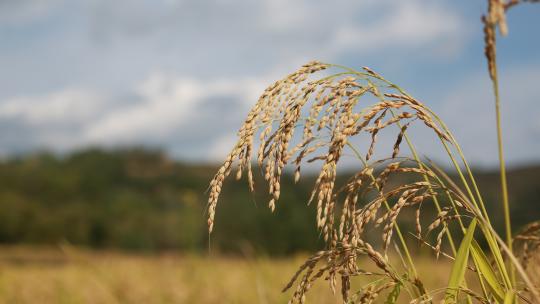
115,114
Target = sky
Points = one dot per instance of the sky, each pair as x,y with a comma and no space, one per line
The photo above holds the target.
182,75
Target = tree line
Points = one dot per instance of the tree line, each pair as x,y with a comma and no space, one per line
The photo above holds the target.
140,199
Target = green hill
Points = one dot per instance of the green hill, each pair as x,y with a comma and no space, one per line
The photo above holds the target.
139,199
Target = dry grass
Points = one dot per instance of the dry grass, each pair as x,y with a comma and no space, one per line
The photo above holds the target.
39,275
527,247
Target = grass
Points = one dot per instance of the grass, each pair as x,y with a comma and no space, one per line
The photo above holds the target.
71,275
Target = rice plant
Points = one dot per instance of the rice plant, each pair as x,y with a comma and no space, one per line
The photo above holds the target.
319,114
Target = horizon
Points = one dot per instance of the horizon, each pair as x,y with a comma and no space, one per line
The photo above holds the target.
309,168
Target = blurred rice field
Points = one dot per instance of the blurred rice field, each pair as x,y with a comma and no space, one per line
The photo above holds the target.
70,275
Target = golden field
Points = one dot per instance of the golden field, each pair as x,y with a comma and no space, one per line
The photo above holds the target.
70,275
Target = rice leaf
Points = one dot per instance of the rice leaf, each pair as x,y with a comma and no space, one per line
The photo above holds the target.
486,270
457,273
509,297
394,294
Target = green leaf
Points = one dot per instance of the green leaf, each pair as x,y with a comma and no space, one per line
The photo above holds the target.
509,297
486,271
394,294
497,256
457,273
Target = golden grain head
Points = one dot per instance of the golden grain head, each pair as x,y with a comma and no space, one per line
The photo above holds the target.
330,111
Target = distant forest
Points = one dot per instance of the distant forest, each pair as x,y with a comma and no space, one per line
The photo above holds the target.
137,199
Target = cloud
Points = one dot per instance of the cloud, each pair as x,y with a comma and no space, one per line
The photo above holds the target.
54,121
280,32
407,24
169,105
64,107
119,43
163,101
183,74
184,115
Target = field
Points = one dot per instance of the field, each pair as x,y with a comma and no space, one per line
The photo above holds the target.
70,275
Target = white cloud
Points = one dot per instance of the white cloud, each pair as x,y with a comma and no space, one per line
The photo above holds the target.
166,104
163,102
66,106
327,29
160,108
405,24
213,58
288,30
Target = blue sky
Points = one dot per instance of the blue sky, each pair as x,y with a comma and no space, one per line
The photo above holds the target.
181,75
